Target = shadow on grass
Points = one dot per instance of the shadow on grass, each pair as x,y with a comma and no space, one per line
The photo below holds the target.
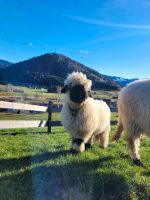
147,173
79,181
17,187
75,180
18,163
21,132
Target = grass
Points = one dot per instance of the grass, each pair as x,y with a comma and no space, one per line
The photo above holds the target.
36,165
31,94
42,93
34,94
104,94
40,116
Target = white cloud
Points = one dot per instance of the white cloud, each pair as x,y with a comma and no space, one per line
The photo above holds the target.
84,51
81,51
30,44
121,36
109,24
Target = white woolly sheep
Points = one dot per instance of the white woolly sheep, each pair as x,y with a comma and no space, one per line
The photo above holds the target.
134,115
84,117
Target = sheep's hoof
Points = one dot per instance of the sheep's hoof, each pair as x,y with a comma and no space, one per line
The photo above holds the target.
73,151
138,162
115,138
87,146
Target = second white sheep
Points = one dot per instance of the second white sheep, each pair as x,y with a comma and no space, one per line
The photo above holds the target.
134,115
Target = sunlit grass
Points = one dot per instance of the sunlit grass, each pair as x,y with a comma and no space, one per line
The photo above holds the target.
37,165
41,116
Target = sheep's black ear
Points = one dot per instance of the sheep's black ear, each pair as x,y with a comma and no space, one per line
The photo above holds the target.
89,93
64,89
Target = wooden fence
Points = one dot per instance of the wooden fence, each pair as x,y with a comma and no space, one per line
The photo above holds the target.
26,123
32,123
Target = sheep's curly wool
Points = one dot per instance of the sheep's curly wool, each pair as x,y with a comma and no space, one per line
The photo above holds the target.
134,114
78,78
92,118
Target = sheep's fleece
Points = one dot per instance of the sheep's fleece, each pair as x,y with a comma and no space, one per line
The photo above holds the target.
134,115
91,118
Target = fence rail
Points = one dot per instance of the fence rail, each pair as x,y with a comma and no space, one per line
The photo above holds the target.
22,123
33,123
26,123
22,106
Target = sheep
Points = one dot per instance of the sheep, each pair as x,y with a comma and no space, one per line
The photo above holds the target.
134,115
83,117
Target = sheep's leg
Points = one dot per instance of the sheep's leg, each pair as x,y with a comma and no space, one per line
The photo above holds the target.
104,137
89,143
133,145
78,145
118,132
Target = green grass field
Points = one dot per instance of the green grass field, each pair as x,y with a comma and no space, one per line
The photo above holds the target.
38,95
37,165
40,116
42,93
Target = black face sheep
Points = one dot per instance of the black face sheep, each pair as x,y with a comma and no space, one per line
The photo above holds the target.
134,115
84,117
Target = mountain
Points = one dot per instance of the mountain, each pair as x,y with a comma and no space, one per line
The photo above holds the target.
50,70
4,63
121,81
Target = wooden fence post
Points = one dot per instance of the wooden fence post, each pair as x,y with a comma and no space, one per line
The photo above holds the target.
49,109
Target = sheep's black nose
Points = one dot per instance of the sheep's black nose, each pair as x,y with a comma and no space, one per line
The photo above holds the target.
78,93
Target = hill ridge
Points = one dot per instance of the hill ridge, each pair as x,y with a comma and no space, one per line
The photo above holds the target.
4,63
50,70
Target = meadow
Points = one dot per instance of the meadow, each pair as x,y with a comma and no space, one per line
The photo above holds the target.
38,165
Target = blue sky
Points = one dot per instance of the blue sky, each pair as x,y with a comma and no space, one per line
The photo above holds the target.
111,36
